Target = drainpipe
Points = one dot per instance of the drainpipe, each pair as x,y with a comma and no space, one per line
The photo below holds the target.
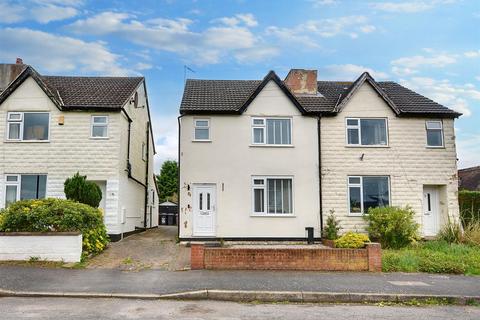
320,173
146,176
178,165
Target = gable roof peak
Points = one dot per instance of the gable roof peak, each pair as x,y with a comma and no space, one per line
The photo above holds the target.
272,76
365,76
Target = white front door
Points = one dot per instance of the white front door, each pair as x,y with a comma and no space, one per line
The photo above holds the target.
204,210
430,211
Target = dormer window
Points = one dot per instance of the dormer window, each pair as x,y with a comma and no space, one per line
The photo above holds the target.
28,126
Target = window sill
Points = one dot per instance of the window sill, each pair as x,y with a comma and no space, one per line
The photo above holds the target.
356,215
27,141
366,146
272,146
201,140
99,138
434,147
280,215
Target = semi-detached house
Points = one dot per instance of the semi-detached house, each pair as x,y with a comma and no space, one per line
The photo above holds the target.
265,159
54,126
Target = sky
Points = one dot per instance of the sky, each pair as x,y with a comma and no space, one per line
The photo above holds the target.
430,46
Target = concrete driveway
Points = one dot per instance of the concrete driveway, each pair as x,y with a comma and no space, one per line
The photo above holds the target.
152,249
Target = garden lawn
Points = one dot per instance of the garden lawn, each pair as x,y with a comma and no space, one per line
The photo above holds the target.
433,257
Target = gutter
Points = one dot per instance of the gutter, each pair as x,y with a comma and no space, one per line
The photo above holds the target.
320,173
146,177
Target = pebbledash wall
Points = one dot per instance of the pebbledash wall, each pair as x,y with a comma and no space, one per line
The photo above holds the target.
70,149
407,161
229,161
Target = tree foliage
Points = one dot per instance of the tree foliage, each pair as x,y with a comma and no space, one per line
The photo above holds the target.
167,181
77,188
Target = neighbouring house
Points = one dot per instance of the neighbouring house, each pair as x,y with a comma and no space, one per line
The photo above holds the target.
469,179
54,126
265,159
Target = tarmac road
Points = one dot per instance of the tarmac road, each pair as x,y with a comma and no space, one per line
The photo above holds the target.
79,309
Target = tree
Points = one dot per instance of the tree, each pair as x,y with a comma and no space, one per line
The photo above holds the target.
167,181
77,188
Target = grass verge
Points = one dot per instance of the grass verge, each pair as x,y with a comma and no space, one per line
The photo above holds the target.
433,257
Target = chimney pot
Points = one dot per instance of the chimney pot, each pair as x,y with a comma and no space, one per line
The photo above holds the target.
302,81
19,61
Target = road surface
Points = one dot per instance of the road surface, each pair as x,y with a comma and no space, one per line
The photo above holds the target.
69,308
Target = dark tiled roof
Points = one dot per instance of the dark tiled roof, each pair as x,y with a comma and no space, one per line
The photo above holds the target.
85,92
217,95
469,178
77,93
228,96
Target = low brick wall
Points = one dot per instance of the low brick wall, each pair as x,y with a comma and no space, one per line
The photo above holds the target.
315,259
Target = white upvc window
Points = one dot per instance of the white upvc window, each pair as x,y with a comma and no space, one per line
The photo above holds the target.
201,130
272,196
366,131
99,128
365,192
28,126
434,133
24,187
271,131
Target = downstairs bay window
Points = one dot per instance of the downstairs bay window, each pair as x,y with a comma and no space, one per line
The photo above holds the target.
24,187
272,196
365,192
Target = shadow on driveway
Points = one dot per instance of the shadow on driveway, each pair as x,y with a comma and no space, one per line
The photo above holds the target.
152,249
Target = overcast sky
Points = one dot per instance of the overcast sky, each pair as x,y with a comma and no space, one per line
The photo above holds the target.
431,46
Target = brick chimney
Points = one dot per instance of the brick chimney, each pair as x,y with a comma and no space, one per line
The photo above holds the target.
9,71
302,81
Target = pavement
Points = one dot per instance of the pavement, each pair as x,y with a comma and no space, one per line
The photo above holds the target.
236,285
113,309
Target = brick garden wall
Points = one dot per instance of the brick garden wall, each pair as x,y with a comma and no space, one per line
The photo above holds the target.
315,259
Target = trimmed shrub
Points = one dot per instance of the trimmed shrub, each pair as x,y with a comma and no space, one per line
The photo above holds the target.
57,215
393,227
469,202
77,188
352,240
330,232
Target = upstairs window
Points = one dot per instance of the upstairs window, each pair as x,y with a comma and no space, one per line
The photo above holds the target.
367,192
366,132
99,126
271,131
202,130
434,133
24,187
28,126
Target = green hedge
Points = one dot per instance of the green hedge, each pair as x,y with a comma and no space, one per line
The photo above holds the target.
469,202
57,215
